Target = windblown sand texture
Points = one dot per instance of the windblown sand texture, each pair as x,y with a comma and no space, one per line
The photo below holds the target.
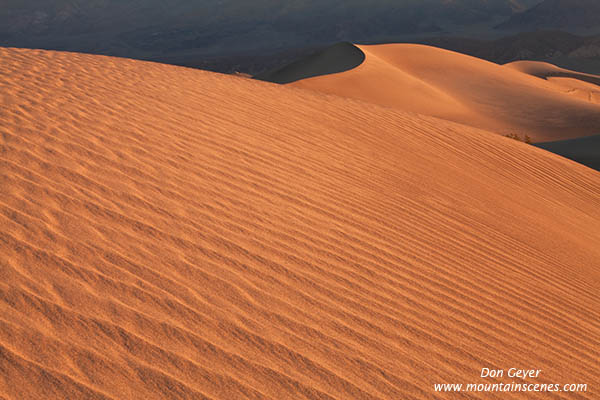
173,233
456,87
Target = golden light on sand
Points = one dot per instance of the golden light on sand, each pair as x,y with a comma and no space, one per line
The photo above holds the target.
173,233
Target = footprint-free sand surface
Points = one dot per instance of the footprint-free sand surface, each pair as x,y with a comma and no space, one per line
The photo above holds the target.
173,233
584,86
525,98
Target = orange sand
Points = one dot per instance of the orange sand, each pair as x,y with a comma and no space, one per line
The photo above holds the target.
464,89
173,233
583,86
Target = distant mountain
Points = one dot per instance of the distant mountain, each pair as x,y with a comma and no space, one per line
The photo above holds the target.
157,29
560,48
236,35
571,15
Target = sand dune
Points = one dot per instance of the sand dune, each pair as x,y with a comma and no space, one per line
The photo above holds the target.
584,86
464,89
173,233
546,70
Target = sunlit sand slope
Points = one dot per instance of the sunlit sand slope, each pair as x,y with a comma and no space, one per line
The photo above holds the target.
584,86
173,233
468,90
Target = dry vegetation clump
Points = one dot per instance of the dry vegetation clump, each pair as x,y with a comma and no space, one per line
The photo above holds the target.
516,136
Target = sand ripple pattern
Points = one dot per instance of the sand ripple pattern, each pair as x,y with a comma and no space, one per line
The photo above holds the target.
172,233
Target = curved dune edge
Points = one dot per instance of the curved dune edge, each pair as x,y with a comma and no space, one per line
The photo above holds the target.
334,59
467,90
546,70
173,233
581,85
378,81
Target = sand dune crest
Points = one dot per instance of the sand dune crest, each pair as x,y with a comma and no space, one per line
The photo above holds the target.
464,89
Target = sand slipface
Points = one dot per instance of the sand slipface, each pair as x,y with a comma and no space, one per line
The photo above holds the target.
334,59
508,99
173,233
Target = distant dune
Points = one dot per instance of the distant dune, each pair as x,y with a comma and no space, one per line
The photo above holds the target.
464,89
173,233
548,71
583,86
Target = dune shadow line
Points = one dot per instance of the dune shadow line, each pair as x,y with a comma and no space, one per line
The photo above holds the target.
337,58
584,150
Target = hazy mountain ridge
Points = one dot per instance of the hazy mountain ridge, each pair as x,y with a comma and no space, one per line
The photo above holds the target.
561,48
572,15
141,29
229,35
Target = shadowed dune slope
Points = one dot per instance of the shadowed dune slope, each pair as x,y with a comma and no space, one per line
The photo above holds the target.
464,89
173,233
334,59
585,150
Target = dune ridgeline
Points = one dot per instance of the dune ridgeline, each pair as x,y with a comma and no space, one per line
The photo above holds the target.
509,99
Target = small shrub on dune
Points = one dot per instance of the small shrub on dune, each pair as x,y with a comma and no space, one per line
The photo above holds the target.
515,136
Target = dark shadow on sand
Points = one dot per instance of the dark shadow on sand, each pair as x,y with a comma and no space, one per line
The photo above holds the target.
340,57
585,150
